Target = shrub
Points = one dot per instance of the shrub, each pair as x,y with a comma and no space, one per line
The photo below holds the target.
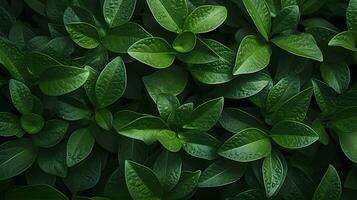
178,99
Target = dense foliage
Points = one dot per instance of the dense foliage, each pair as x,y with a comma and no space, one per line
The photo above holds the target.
178,99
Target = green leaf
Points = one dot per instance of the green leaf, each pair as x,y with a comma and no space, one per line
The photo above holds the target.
205,18
79,24
16,156
330,186
79,146
142,182
247,145
282,91
13,60
71,109
111,83
201,53
336,76
287,19
299,44
147,129
243,87
260,14
293,134
169,140
221,172
166,104
199,144
325,96
21,96
89,85
152,51
10,125
32,123
253,55
351,15
295,108
120,38
167,168
180,116
274,170
170,14
206,115
53,160
235,120
186,185
104,119
118,12
347,40
51,134
348,143
165,77
131,149
35,192
184,42
62,80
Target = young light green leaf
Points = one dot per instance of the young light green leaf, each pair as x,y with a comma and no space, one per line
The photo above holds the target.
351,15
169,140
16,156
336,76
253,55
165,77
32,123
35,192
300,44
142,182
346,39
221,172
120,38
293,134
186,185
330,187
10,125
205,18
184,42
167,168
79,146
111,83
21,96
152,51
61,80
170,14
118,12
247,145
260,14
205,116
274,170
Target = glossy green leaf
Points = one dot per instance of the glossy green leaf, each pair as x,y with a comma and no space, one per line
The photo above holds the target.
142,183
205,116
287,19
32,123
35,192
152,51
330,186
10,125
293,135
79,146
348,142
53,160
62,80
204,19
184,42
104,119
21,96
351,15
336,76
247,145
253,55
347,40
221,172
118,12
260,14
301,44
170,14
186,185
166,104
111,83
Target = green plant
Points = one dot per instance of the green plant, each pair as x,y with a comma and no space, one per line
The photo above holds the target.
178,99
